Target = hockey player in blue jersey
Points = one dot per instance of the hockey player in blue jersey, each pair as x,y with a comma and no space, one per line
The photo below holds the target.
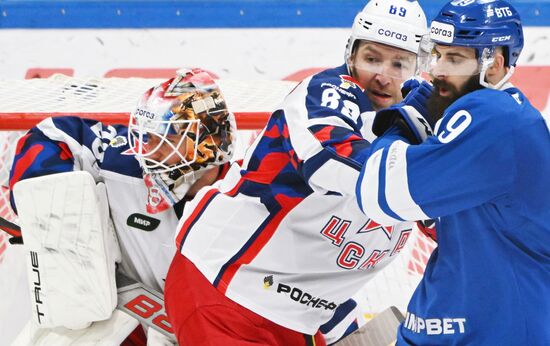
484,173
293,245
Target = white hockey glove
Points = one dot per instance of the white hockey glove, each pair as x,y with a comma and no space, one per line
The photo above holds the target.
410,115
72,249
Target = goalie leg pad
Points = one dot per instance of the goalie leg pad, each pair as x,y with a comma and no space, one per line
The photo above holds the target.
111,332
71,248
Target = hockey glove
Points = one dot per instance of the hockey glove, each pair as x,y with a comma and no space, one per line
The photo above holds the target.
410,115
410,84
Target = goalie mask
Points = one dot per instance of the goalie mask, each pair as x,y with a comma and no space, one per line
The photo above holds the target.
178,130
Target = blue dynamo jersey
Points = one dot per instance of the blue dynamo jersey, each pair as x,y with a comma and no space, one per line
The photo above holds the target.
486,176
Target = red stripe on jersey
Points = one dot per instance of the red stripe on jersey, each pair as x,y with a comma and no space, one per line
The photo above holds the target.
287,204
24,163
234,190
345,148
225,168
270,166
272,133
285,133
65,151
323,135
294,160
206,199
21,143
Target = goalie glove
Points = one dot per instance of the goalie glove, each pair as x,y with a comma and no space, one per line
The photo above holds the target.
410,115
72,249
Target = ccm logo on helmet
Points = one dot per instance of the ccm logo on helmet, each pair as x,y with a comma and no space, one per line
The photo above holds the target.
501,38
393,34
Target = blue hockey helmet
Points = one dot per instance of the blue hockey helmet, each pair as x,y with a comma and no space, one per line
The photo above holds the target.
482,25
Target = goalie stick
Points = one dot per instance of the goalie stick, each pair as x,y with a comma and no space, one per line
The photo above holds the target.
12,229
134,298
380,331
143,303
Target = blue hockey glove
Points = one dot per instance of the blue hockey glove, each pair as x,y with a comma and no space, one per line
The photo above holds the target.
409,84
410,115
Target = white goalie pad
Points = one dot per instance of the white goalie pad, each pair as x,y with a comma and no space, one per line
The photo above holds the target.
71,248
111,332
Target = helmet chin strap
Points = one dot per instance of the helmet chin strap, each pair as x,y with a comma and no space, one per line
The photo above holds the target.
485,66
164,192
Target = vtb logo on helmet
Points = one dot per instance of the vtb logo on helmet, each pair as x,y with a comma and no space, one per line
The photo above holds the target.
188,115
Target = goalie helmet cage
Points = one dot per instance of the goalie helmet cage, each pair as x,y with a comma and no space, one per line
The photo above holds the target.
23,103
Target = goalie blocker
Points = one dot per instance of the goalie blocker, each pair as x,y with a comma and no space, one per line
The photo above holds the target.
72,249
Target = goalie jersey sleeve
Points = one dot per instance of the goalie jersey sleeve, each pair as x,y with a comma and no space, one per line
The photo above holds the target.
64,144
485,176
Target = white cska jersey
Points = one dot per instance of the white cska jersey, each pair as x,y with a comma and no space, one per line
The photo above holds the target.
283,235
69,143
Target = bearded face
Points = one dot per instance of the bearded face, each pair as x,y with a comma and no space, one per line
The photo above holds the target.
437,103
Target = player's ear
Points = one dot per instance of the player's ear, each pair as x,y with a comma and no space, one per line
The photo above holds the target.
498,69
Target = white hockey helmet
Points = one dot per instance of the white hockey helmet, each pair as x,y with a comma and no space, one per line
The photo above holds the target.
396,23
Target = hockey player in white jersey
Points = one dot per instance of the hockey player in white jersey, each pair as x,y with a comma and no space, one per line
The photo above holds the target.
484,173
180,138
269,253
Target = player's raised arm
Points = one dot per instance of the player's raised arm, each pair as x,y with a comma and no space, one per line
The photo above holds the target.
466,163
325,131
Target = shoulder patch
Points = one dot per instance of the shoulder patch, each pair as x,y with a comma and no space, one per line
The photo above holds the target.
517,97
118,141
350,82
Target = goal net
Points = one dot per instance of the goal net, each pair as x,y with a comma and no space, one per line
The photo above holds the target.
23,103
